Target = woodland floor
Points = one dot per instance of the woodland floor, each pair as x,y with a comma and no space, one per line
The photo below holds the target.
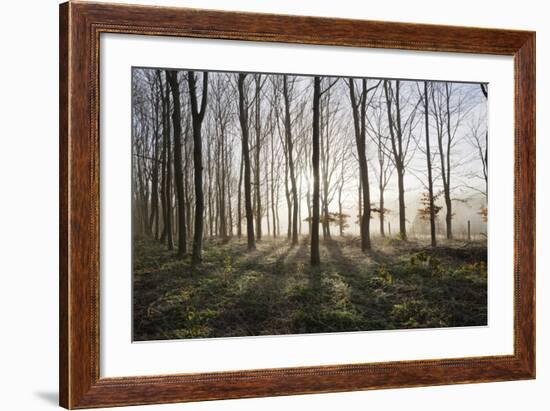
274,290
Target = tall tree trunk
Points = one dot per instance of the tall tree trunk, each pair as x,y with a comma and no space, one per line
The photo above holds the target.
187,191
325,158
243,119
484,157
401,191
429,165
290,145
223,216
172,78
239,198
258,131
164,156
359,123
168,180
382,181
381,204
229,163
315,255
272,178
197,115
154,216
360,203
340,211
267,192
209,202
300,209
396,135
287,194
309,214
447,180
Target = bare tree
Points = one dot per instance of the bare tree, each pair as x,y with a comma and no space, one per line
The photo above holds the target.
359,110
290,149
240,196
429,166
222,116
378,132
400,138
450,106
243,119
167,169
317,93
172,78
257,152
197,115
315,254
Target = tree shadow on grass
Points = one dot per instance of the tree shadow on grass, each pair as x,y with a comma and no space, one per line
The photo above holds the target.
170,305
400,292
370,298
251,259
257,304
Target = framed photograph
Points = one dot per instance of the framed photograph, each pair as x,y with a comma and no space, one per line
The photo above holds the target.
257,205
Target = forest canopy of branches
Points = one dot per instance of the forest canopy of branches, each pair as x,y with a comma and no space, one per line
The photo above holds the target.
276,204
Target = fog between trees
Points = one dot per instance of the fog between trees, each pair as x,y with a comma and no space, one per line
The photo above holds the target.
228,155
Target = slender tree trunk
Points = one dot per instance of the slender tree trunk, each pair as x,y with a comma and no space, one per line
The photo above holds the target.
290,148
340,211
447,184
258,131
382,181
315,255
154,216
325,158
300,209
223,215
274,206
289,207
401,190
397,149
267,192
172,78
359,121
381,205
243,118
278,199
229,198
360,204
209,202
197,119
164,156
429,165
288,197
168,181
188,195
309,214
239,198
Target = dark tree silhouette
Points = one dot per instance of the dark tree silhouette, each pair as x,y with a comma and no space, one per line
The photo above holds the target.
290,149
197,116
167,166
172,78
243,119
315,255
429,166
359,110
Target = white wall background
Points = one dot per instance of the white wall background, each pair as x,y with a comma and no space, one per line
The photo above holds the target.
28,205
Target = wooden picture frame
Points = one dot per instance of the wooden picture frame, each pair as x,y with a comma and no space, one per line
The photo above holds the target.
81,24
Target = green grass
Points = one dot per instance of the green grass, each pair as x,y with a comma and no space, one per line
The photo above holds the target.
274,290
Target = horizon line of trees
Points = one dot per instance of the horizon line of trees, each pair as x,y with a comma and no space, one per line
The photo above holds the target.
214,151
